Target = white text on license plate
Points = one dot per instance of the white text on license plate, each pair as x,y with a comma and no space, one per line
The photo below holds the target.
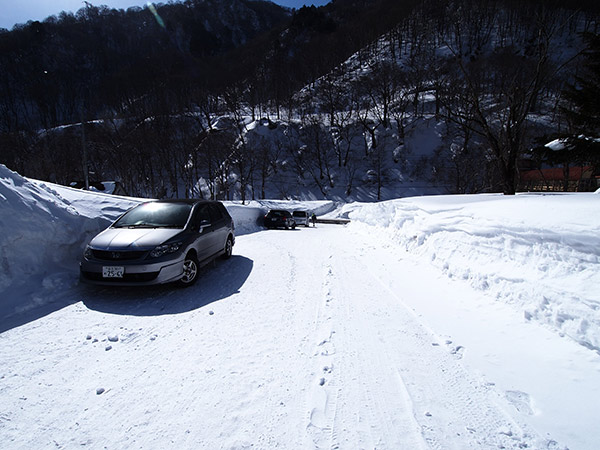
113,271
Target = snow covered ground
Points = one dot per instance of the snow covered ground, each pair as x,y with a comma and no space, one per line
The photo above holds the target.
432,322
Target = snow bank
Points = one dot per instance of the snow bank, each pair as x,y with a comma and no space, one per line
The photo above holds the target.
246,218
540,253
319,207
42,237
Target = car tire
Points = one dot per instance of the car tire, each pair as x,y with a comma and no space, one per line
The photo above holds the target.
190,270
228,248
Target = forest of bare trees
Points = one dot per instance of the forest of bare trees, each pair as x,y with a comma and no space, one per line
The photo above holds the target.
172,111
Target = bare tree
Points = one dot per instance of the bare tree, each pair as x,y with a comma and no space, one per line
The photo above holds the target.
499,93
319,149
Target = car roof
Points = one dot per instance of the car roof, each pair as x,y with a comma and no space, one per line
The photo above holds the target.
188,201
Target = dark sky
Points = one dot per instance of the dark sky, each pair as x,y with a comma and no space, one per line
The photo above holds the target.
20,11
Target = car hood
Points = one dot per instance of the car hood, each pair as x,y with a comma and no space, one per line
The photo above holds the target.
132,238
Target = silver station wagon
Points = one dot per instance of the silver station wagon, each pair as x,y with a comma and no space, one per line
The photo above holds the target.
159,242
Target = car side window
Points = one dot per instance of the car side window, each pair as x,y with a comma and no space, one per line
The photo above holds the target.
201,215
215,213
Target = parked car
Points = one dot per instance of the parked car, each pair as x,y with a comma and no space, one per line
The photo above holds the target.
159,242
279,218
301,217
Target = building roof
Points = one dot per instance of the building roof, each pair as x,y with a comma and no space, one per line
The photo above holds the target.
558,174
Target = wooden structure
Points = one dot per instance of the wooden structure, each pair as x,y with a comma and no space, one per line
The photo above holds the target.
560,179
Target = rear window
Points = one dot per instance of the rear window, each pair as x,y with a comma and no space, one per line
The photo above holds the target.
299,213
278,213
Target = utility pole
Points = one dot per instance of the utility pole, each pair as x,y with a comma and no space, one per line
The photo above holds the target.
86,176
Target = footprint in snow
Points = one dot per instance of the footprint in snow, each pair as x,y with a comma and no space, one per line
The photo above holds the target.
521,401
458,351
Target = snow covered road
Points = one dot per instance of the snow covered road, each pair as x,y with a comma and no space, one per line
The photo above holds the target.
319,338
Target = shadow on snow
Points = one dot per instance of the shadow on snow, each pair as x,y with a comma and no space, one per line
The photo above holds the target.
217,281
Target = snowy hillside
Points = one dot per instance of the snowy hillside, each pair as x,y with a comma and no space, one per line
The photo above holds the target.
462,322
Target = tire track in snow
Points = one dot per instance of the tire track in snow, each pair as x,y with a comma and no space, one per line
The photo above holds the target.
286,305
378,409
381,379
356,399
453,409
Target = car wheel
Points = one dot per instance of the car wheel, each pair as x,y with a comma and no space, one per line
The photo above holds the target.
190,270
228,248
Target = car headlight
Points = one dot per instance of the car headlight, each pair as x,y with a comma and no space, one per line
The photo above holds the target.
165,249
87,254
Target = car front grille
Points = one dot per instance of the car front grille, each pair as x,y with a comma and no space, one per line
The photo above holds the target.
106,255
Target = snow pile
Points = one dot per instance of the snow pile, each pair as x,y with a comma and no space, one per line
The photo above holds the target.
43,234
540,253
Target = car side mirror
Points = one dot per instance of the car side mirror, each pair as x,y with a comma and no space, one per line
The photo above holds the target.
199,227
203,224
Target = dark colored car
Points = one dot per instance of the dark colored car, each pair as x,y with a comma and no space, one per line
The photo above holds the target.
279,218
159,242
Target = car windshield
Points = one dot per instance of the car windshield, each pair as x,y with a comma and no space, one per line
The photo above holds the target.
156,215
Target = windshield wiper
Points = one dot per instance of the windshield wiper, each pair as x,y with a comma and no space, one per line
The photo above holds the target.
146,225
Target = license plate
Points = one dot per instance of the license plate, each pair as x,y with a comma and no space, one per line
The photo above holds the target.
113,271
